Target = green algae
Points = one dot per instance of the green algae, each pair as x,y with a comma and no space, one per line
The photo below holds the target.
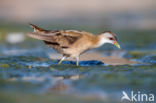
3,65
139,54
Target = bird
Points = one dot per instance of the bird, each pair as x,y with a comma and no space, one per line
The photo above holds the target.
72,43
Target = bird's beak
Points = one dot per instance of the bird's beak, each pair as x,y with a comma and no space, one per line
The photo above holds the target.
116,44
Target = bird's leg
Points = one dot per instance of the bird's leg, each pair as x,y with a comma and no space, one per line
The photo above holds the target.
77,61
64,57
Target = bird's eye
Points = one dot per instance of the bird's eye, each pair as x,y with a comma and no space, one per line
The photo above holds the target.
111,38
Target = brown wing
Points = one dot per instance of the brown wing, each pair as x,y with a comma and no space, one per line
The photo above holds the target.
61,39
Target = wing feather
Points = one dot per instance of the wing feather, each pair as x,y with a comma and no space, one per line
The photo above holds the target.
63,39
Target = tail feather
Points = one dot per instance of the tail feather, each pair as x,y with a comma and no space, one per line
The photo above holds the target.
36,28
40,36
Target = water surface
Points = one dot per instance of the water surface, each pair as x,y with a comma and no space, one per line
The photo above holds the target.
28,75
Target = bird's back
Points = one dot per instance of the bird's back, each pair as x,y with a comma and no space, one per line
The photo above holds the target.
69,42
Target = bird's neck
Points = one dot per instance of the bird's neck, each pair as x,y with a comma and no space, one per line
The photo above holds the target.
99,41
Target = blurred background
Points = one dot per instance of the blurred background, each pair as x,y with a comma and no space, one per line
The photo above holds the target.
118,14
26,71
125,18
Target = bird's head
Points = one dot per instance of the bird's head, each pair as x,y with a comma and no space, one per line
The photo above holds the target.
108,37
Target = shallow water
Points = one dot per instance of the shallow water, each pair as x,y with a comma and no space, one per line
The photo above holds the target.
28,75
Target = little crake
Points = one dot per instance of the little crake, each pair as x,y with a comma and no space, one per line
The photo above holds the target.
72,43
